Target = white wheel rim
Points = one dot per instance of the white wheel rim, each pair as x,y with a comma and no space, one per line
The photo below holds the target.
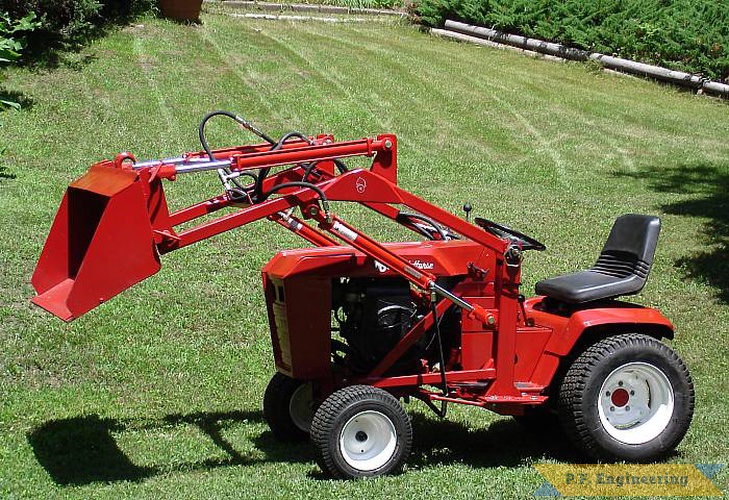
635,403
368,441
301,407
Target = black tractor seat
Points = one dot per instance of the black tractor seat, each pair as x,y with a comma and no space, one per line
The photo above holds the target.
621,269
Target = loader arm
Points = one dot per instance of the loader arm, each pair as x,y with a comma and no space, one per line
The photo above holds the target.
114,223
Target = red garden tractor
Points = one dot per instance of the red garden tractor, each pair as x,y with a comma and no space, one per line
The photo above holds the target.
357,325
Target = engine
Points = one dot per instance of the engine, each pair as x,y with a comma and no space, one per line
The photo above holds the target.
370,316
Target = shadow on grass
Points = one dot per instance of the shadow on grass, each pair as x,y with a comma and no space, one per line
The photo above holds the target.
83,450
504,443
708,189
49,50
6,175
69,58
67,29
25,101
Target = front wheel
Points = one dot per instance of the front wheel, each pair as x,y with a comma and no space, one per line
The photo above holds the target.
627,397
288,406
361,431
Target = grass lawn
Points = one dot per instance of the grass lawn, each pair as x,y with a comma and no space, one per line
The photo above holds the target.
158,392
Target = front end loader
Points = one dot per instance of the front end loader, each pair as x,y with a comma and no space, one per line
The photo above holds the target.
358,325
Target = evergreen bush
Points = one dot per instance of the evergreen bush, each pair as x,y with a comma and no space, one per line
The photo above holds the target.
687,35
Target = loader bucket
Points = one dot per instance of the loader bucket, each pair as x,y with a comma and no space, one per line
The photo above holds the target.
99,245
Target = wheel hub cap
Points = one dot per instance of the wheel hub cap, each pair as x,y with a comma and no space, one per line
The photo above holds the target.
636,403
301,407
368,440
620,397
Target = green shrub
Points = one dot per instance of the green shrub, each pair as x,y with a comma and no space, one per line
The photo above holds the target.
689,35
13,35
70,23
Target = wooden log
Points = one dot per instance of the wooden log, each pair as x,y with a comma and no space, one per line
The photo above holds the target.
461,30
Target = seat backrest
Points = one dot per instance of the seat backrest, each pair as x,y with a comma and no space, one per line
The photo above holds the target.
630,246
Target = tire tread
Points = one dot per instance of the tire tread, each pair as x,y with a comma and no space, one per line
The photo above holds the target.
326,417
574,386
275,408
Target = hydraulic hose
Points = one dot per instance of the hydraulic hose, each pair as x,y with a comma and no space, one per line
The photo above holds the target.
258,190
262,173
242,192
257,194
314,187
239,119
427,220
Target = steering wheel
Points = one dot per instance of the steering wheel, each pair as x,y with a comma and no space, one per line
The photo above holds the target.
504,232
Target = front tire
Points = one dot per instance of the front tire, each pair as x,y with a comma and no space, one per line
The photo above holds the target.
288,407
627,397
361,431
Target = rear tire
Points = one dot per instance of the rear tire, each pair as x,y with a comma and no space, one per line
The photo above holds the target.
288,407
627,397
361,431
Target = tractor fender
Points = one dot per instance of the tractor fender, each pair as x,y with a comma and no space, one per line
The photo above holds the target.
609,320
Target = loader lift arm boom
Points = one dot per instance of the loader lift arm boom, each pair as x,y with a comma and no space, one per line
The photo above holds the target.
373,187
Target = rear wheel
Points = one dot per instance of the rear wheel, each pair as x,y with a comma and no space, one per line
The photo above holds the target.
361,431
288,407
627,397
